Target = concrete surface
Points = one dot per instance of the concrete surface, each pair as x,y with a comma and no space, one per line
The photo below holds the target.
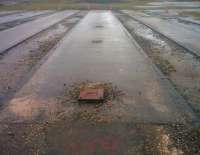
13,36
181,33
190,20
100,51
19,16
175,3
175,14
6,13
167,4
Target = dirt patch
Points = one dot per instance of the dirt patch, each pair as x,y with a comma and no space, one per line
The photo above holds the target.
185,137
67,136
22,138
94,113
44,47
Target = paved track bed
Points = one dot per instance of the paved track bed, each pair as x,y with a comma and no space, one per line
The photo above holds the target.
28,18
17,63
181,68
142,113
180,33
27,30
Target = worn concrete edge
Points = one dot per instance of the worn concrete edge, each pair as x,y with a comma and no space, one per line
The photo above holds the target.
163,79
191,51
4,51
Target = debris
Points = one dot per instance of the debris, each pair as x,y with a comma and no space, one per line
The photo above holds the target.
91,94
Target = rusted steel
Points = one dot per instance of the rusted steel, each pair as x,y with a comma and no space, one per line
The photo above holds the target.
91,94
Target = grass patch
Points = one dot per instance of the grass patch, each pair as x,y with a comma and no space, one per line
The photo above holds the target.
73,4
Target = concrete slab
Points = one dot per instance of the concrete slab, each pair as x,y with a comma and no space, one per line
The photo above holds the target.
182,34
22,15
7,13
117,59
14,36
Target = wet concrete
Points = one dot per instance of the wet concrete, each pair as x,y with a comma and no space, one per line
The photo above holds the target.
176,14
182,68
6,13
23,15
167,4
181,33
117,59
18,62
175,3
14,36
14,23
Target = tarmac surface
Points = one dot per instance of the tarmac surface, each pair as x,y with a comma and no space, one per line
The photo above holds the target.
99,51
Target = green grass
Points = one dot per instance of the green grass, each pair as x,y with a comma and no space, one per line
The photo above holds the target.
72,4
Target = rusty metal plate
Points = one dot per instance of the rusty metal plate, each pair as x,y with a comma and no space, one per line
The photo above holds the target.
91,94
